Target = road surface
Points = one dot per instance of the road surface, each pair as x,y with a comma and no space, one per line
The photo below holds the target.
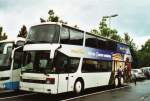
140,92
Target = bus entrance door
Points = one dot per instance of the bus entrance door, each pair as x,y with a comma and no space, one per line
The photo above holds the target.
63,82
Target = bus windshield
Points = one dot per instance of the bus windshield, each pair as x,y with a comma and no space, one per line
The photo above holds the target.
37,62
4,62
43,34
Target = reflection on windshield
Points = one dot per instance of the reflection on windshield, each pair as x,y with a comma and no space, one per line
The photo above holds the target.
37,62
2,46
43,34
4,62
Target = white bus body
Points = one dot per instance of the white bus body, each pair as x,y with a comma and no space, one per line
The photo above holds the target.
59,67
9,75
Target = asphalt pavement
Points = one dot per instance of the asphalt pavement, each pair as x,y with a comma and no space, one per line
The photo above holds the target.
140,92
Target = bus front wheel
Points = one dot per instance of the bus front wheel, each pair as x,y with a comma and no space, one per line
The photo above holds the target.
78,87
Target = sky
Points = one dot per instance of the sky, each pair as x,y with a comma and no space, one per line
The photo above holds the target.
133,15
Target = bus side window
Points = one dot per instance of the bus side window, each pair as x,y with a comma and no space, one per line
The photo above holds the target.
64,35
105,66
76,37
73,65
17,60
61,63
89,66
91,41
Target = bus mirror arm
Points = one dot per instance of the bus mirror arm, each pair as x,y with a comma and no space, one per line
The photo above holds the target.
46,74
59,47
53,51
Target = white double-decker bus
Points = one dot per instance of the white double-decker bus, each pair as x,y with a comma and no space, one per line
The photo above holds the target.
9,70
59,58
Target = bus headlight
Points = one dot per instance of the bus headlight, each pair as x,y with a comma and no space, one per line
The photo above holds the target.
50,80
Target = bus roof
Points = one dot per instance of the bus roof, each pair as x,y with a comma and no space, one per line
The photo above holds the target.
75,28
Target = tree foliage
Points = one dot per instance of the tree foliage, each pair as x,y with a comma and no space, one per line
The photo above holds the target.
105,31
23,32
144,54
133,49
52,18
3,36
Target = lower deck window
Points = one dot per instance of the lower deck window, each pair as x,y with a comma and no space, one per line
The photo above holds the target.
90,65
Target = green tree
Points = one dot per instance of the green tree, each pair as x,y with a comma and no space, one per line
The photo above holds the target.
3,36
23,32
105,31
133,49
52,18
144,54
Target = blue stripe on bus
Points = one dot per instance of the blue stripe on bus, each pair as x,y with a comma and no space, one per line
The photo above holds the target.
12,85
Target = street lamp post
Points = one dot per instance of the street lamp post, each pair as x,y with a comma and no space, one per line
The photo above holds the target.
109,17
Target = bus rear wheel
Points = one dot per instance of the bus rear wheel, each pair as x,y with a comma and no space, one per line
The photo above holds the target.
78,87
116,82
122,81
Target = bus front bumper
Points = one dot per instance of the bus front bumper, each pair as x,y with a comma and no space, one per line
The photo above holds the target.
39,88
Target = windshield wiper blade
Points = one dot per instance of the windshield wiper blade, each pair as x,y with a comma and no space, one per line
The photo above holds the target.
30,41
43,41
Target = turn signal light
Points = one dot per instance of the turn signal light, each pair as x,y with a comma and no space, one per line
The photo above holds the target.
50,80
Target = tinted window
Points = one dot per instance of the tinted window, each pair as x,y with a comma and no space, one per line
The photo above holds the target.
61,62
89,66
105,66
64,35
18,55
76,37
65,64
44,34
111,45
91,41
96,66
101,43
73,65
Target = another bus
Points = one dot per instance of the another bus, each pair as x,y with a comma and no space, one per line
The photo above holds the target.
59,58
9,71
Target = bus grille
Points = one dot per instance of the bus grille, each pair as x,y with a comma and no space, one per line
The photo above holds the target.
33,81
4,78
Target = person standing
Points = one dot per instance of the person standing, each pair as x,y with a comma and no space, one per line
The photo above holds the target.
119,74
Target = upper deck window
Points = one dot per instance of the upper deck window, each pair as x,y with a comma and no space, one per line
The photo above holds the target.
71,36
91,41
76,37
44,34
64,36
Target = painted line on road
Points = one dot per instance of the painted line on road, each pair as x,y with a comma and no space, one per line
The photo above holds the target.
17,96
94,93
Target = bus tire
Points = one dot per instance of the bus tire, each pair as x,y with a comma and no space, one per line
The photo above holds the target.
121,81
116,82
78,87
